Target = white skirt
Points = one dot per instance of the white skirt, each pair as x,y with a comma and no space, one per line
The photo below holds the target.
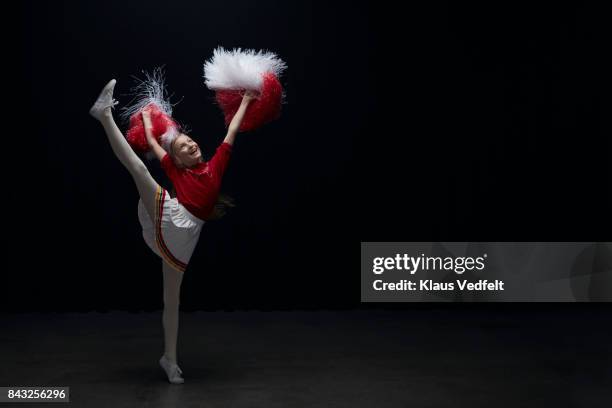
173,233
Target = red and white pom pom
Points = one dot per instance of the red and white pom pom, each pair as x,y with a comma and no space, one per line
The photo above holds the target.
150,93
230,73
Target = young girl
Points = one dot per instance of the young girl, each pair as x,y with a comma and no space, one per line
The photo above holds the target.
171,226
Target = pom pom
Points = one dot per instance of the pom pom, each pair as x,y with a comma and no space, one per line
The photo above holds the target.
230,73
150,93
164,129
260,111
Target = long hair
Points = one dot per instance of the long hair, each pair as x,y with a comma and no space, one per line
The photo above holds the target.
224,202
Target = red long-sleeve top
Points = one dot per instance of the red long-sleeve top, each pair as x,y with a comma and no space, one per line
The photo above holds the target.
197,188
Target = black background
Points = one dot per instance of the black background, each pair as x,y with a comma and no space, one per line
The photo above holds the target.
431,123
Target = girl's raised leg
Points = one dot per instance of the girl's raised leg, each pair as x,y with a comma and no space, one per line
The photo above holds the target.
146,185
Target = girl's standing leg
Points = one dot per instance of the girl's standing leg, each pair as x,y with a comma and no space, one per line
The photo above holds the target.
170,316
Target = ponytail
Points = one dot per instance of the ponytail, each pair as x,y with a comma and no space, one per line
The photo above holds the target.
223,203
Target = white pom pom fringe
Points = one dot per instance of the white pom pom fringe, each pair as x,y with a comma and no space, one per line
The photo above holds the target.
240,69
150,90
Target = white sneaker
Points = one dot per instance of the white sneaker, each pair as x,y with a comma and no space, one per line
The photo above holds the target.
172,370
104,101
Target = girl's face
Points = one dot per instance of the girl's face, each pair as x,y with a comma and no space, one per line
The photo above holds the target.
185,151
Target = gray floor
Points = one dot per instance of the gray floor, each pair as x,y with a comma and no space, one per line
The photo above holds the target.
316,359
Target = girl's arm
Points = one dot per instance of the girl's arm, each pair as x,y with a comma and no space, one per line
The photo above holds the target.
234,125
148,126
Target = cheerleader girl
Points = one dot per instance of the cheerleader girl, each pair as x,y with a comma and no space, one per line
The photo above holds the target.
171,226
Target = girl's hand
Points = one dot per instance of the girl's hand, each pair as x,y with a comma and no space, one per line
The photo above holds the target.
146,119
249,95
148,125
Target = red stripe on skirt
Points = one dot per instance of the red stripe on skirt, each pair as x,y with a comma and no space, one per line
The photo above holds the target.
171,259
